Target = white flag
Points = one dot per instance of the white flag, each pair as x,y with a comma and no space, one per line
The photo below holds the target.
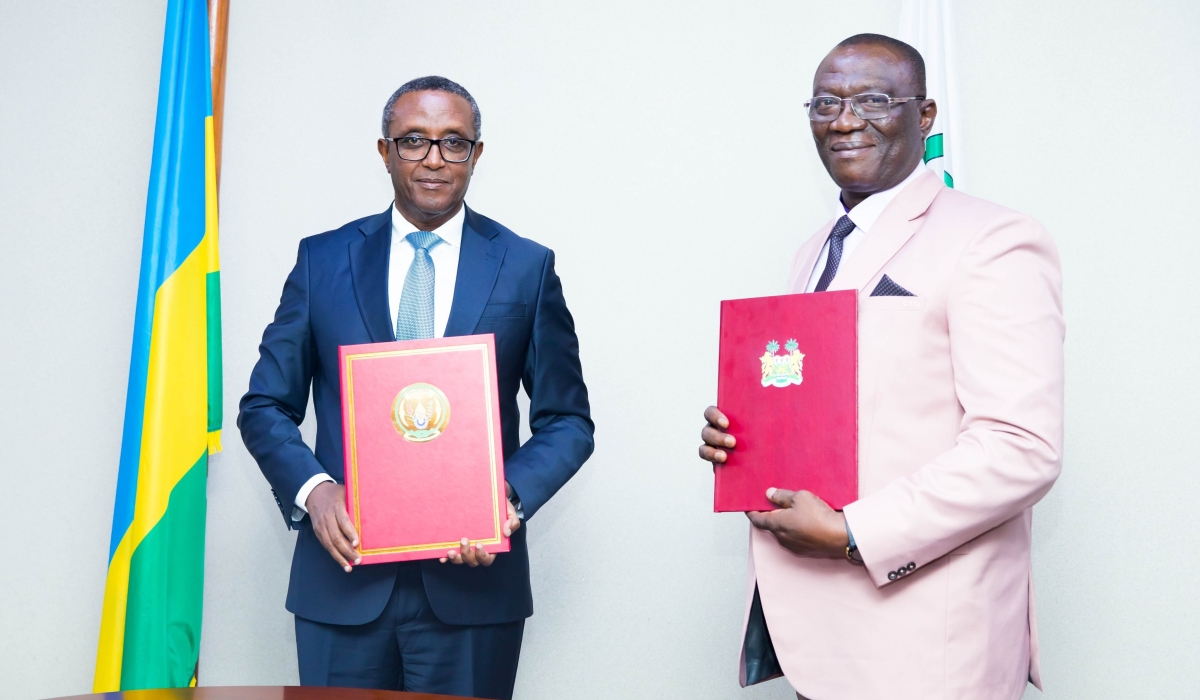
928,26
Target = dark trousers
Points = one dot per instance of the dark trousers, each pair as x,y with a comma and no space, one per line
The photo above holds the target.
408,648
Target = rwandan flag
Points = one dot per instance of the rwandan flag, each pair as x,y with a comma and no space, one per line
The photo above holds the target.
150,627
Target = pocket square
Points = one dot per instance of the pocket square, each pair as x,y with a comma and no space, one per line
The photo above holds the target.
888,288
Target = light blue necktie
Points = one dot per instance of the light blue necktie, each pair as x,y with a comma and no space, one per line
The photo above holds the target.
414,317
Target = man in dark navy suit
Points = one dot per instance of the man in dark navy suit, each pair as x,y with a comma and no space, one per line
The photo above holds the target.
426,267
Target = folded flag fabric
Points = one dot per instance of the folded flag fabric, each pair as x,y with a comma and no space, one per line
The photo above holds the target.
928,26
150,625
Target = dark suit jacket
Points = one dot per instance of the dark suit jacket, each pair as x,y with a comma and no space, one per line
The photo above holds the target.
337,295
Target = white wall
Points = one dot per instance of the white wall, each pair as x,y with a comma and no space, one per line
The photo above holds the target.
596,119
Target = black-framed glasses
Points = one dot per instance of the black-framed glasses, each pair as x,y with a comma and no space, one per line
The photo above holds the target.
868,105
453,148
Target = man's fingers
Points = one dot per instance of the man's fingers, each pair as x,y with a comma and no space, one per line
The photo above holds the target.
322,531
467,553
342,545
716,438
712,454
345,524
781,497
342,534
762,521
715,417
513,523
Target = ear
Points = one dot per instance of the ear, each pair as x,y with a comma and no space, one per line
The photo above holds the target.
474,158
928,115
382,146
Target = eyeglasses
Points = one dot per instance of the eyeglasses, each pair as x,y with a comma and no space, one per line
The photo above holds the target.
453,148
868,105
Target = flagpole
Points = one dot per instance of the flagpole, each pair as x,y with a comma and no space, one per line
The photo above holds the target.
218,31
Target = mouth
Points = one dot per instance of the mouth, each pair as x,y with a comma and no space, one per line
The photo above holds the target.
430,183
851,149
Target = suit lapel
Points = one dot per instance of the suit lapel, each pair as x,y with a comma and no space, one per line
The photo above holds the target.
889,234
369,258
478,266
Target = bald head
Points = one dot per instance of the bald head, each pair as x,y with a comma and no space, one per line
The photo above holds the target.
904,55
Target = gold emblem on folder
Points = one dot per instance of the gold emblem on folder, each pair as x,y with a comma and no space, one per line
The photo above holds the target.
420,412
782,370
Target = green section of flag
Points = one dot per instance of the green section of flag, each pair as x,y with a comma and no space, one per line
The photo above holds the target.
933,147
215,396
166,591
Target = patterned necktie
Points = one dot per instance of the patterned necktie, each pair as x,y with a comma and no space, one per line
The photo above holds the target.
837,237
414,317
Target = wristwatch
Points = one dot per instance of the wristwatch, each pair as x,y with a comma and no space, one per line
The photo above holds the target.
852,549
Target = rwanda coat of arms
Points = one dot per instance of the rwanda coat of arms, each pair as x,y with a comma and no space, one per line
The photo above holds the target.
782,370
420,412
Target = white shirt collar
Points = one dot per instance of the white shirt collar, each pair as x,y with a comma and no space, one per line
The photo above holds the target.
450,232
867,212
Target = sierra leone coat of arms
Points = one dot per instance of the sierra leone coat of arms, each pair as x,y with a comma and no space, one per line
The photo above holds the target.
782,370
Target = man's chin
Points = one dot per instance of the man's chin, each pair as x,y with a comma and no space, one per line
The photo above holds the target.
432,208
856,183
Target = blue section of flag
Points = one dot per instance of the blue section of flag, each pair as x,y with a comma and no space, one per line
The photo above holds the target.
175,215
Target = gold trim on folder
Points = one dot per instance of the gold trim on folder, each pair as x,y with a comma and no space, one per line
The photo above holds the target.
482,348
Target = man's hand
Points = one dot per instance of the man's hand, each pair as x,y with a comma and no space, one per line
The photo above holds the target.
804,524
476,556
331,523
716,440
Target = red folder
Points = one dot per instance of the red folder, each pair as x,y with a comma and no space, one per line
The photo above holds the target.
424,462
788,384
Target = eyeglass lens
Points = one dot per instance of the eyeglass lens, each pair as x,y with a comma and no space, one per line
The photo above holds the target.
453,150
865,106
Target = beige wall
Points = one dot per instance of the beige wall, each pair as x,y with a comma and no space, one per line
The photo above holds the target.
597,119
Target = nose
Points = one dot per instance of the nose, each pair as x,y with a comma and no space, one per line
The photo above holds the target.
847,120
433,160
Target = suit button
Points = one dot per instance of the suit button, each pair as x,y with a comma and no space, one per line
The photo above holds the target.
892,575
911,566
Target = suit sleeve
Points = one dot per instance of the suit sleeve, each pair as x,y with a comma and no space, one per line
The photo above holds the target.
1004,312
272,410
559,414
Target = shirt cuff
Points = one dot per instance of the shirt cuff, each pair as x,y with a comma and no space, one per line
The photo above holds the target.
298,509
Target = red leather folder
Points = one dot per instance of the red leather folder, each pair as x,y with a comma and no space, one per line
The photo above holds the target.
424,462
788,384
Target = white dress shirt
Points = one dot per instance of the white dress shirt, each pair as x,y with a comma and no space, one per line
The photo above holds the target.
864,217
445,265
445,271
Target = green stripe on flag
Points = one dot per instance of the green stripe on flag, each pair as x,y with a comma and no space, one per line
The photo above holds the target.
933,147
166,591
949,180
215,395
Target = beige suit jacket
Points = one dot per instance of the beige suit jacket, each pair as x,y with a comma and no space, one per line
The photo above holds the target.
960,419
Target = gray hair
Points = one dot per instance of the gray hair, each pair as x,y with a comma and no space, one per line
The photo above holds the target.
431,82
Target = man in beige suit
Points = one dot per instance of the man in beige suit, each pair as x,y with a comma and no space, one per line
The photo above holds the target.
922,587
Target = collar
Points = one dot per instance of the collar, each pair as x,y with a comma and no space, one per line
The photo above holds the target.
867,212
450,232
